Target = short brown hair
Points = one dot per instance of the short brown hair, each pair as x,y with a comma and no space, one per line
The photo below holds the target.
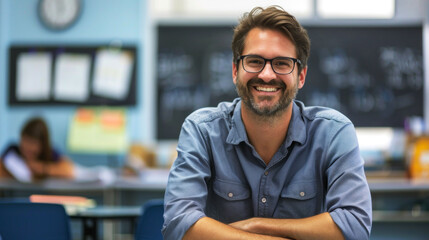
274,18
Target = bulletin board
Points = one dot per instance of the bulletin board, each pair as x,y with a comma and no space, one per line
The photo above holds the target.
72,75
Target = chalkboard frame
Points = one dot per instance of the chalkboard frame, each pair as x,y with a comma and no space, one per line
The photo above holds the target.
93,100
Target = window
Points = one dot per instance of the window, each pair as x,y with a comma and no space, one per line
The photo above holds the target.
225,8
378,9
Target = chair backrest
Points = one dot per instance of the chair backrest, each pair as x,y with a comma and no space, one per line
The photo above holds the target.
151,220
13,200
27,220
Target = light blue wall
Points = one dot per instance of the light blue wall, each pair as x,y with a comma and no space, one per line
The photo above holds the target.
3,95
100,22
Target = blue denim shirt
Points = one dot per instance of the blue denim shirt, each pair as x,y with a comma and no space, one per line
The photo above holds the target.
219,174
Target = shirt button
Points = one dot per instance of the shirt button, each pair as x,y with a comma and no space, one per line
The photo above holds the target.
302,194
230,194
266,173
263,200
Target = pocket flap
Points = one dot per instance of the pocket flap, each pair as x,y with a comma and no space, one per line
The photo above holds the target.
300,191
230,190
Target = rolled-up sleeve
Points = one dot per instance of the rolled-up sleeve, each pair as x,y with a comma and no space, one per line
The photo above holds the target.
348,196
186,193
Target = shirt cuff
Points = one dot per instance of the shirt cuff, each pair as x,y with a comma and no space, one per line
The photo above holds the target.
349,225
179,225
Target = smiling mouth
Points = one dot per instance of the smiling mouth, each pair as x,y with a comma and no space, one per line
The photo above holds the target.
266,89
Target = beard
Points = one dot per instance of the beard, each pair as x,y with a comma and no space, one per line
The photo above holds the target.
245,93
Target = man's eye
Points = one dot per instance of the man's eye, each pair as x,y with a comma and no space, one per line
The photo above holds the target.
255,61
282,63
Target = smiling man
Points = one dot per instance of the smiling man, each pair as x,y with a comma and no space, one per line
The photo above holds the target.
265,166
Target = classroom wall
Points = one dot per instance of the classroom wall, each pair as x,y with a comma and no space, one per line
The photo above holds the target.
100,22
3,23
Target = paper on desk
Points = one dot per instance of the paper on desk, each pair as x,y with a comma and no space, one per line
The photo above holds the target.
112,73
17,167
154,175
33,76
72,204
72,77
93,174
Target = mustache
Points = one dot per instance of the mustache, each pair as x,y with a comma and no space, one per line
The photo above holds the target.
273,82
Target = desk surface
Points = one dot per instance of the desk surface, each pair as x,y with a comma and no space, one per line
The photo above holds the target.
151,182
53,184
397,185
107,212
158,183
90,217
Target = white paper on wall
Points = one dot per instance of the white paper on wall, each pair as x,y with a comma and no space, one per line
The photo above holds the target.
112,74
34,76
71,81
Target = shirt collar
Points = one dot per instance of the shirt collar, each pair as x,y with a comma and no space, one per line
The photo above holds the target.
237,133
296,130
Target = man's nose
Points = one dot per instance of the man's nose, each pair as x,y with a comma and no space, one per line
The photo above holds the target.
267,74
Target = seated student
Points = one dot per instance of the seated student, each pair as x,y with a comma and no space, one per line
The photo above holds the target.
34,158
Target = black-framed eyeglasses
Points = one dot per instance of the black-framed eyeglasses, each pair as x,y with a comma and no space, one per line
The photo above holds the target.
256,63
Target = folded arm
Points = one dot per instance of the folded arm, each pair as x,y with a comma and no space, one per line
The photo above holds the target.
316,227
64,168
210,229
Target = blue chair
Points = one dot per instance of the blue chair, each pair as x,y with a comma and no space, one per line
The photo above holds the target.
151,220
13,200
28,220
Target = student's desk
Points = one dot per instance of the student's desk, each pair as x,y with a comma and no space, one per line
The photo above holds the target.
379,185
11,188
91,217
111,192
126,192
400,209
400,200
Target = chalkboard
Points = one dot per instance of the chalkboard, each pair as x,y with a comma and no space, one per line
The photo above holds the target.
372,74
24,63
194,70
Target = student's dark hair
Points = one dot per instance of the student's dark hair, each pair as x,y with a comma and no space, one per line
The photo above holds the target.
37,129
274,18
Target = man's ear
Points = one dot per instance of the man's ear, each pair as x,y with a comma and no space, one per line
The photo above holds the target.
301,77
234,72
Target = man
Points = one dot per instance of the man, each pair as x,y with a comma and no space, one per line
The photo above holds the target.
265,166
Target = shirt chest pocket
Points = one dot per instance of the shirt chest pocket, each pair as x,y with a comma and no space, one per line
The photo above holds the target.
232,200
298,200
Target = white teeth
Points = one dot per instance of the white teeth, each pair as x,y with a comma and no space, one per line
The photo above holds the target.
266,89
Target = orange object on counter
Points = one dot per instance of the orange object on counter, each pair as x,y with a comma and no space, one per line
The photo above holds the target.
419,165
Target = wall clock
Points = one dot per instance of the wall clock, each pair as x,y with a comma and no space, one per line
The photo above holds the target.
59,14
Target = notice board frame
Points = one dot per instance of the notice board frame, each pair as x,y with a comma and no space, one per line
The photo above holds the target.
93,100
